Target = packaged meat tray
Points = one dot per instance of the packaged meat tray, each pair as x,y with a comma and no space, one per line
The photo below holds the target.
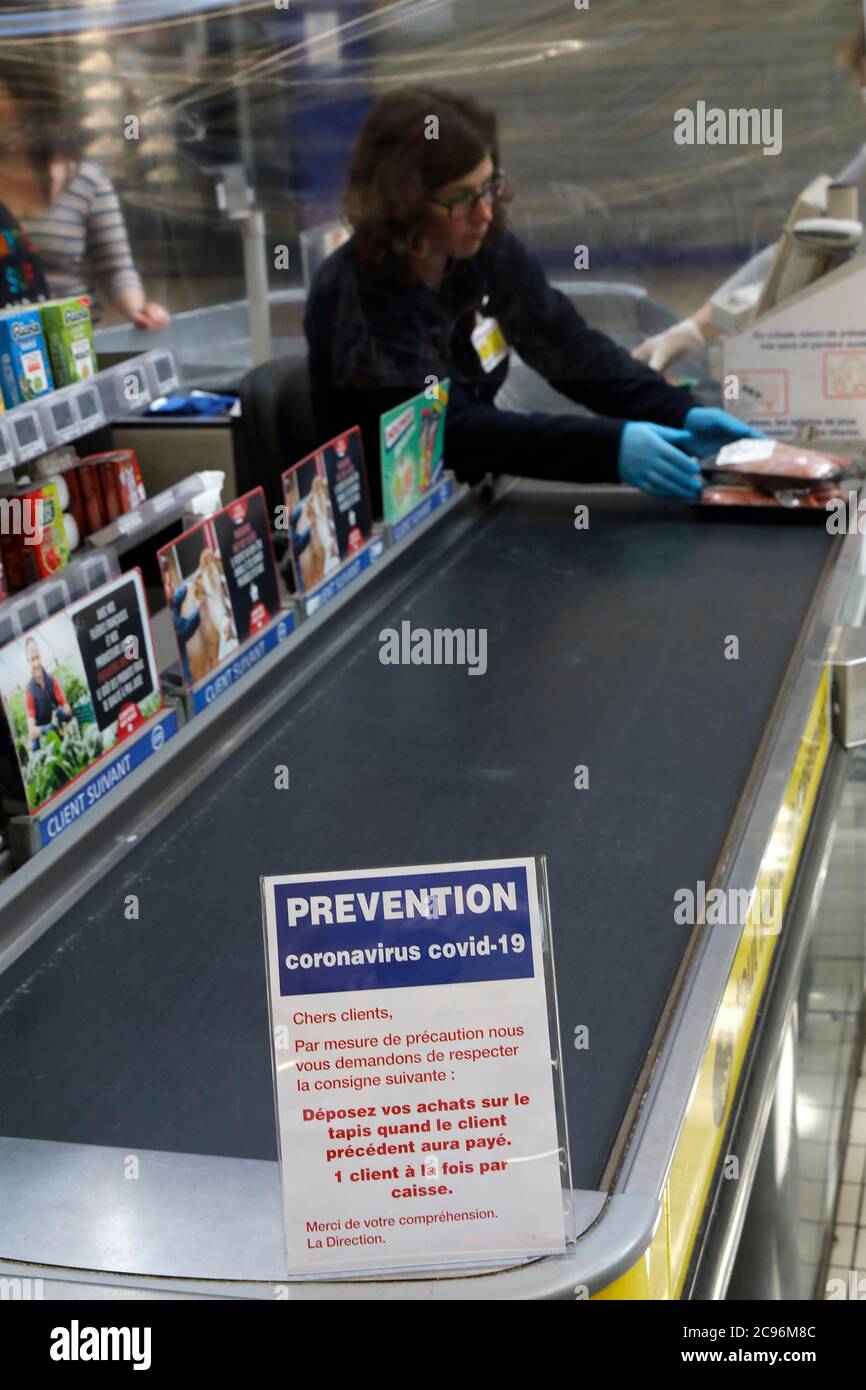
736,497
767,465
783,499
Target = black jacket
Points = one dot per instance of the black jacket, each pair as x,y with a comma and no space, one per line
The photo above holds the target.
375,340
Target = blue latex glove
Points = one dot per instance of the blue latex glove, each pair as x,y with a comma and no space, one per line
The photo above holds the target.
184,626
710,429
300,538
649,459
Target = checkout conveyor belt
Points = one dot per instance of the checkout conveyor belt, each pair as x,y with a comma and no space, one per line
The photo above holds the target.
605,647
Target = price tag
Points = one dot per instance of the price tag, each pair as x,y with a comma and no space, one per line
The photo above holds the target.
163,372
89,407
27,433
63,422
163,500
129,521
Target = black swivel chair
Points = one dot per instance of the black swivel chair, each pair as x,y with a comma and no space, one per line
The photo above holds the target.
276,426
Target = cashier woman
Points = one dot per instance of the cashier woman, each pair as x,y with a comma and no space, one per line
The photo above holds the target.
432,284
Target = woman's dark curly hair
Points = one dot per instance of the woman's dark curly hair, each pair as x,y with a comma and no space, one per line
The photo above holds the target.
395,164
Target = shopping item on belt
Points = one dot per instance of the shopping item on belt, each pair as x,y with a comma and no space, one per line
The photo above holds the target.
768,473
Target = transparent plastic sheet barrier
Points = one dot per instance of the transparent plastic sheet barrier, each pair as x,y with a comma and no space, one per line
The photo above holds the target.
417,1075
586,100
225,128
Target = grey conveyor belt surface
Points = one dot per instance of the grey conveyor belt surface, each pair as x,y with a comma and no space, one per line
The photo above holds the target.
604,648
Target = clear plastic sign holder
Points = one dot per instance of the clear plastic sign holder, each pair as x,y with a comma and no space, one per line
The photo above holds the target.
438,495
345,574
194,699
417,1069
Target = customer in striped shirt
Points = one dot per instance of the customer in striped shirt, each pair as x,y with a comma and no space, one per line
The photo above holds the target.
67,205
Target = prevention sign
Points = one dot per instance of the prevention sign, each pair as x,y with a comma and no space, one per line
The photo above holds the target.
411,440
414,1045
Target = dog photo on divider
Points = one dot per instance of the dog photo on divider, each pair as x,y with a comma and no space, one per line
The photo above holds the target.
313,534
197,595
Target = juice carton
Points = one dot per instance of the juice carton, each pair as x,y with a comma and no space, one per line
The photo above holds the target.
69,334
24,370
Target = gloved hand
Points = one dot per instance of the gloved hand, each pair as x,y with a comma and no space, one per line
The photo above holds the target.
710,429
682,339
300,536
650,460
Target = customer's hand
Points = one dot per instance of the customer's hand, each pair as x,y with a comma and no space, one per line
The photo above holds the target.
682,339
711,428
650,459
150,316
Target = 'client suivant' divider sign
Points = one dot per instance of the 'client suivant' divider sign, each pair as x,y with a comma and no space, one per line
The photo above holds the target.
415,1038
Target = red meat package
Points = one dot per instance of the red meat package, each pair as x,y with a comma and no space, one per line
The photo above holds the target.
736,497
767,464
815,499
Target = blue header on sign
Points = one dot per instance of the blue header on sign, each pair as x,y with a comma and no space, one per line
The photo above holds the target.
399,930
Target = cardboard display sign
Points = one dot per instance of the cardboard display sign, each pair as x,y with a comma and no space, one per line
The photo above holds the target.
804,362
78,684
327,509
417,1067
411,439
220,582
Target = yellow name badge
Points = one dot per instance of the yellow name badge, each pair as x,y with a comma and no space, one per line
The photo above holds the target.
489,343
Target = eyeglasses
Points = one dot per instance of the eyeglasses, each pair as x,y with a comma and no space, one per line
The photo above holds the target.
465,203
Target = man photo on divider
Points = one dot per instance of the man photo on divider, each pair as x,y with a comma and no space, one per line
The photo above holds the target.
45,703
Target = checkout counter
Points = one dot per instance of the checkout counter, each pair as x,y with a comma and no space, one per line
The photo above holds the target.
147,1040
